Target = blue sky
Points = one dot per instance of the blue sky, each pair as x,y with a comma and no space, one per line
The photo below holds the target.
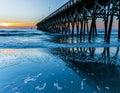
27,10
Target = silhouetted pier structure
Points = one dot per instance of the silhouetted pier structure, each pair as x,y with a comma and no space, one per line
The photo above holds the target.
82,16
90,55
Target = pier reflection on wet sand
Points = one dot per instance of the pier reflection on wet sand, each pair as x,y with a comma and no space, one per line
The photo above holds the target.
98,66
98,55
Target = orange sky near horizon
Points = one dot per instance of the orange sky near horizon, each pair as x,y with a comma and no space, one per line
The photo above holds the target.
26,13
7,24
16,25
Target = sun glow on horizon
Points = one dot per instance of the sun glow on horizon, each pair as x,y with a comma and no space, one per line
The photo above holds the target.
16,25
5,24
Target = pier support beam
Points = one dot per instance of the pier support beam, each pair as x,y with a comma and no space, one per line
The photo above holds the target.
110,28
106,22
93,30
119,28
111,21
77,26
81,30
73,25
119,21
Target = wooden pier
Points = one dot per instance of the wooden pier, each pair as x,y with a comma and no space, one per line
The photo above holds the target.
82,16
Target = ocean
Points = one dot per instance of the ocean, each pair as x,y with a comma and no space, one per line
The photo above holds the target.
33,61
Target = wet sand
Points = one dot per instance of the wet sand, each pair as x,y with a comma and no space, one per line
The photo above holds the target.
60,70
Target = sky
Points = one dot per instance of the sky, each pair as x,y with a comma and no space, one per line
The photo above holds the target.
26,13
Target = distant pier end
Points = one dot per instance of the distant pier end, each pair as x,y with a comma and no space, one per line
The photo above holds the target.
81,16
